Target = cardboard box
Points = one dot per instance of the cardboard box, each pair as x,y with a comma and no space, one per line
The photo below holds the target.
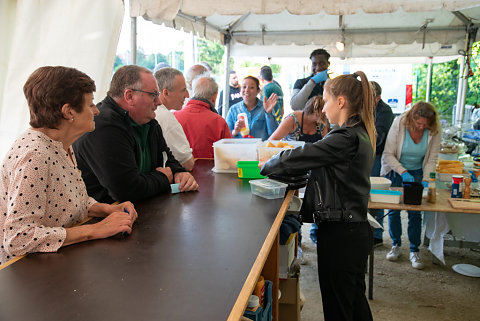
289,303
286,254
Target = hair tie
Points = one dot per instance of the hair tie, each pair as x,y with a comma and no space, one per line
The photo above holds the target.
355,75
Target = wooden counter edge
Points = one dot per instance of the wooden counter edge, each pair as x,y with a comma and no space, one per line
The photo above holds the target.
251,281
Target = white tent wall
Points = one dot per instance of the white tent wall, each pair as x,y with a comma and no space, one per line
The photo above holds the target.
79,34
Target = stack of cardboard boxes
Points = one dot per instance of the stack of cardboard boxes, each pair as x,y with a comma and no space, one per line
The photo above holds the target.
289,302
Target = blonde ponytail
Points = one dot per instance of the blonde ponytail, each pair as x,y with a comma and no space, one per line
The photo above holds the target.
366,110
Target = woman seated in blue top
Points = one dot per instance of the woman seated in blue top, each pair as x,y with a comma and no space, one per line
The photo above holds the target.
308,125
261,120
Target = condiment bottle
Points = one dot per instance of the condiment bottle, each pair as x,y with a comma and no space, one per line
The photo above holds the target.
466,192
253,303
245,130
457,182
432,189
260,289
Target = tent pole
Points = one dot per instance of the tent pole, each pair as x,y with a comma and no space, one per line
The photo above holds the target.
464,93
429,79
133,40
226,90
194,49
458,107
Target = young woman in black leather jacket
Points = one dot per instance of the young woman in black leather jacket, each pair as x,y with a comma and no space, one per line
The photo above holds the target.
337,193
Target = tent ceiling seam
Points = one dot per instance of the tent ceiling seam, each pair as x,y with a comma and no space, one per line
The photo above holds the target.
347,31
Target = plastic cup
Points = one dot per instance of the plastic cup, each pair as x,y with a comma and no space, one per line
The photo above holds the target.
175,188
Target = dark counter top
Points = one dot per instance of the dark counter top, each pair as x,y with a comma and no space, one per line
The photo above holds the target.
187,259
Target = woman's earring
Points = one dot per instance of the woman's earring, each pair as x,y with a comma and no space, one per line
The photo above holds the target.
72,119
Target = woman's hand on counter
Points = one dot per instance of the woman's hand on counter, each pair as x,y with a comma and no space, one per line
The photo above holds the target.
103,209
116,222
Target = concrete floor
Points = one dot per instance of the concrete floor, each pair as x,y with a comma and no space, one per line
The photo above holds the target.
402,293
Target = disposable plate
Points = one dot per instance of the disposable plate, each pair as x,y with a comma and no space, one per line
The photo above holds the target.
467,269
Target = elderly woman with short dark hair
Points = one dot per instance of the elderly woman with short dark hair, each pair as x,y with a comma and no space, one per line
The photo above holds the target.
43,195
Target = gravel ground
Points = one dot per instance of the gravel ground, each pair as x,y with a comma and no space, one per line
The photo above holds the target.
400,292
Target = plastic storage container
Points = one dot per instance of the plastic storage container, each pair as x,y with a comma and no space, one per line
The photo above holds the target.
228,151
412,193
248,169
385,196
380,183
268,188
265,153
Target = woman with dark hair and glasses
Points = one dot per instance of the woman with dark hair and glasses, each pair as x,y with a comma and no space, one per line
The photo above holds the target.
410,154
43,194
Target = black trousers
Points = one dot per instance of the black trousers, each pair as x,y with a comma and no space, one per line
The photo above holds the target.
342,251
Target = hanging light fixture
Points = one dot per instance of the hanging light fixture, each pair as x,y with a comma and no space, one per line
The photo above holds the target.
340,45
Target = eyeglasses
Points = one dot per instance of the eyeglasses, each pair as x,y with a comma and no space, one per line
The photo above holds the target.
154,94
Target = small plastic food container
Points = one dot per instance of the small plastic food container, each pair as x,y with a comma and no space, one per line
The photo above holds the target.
385,196
379,182
248,169
268,188
228,151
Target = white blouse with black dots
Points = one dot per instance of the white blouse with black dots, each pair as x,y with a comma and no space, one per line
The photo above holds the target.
42,193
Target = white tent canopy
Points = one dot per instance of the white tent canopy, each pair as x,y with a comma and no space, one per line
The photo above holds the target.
386,28
293,28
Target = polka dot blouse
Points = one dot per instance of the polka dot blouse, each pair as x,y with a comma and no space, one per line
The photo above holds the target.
42,193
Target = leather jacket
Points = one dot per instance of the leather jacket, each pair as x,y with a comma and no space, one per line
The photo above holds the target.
339,168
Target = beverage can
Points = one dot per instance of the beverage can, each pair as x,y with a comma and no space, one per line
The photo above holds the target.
457,183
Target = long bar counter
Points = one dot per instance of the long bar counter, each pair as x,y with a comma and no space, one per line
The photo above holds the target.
191,256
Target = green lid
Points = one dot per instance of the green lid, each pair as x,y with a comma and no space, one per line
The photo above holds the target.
432,175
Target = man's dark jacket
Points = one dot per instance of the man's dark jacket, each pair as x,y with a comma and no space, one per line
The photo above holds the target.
339,181
109,156
383,121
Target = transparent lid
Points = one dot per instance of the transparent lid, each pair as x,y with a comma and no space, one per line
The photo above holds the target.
268,183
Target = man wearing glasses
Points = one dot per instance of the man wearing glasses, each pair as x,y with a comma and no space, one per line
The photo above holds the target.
126,157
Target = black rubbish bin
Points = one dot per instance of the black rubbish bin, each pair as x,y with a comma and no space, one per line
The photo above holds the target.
412,193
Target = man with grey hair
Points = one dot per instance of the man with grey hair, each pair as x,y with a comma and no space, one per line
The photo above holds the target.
126,157
173,92
200,123
193,72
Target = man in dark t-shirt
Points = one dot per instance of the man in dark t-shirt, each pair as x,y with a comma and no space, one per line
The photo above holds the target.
235,95
312,86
